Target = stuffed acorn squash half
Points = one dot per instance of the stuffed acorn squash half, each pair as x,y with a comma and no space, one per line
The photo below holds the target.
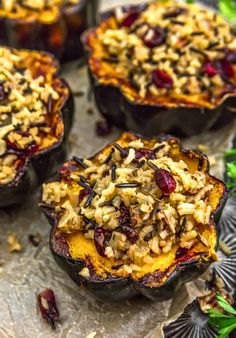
139,217
163,67
51,25
36,110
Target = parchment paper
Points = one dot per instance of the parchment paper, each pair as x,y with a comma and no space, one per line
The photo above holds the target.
24,274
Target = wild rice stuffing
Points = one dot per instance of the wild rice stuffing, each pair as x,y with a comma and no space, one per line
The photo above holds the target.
22,6
26,102
134,202
170,47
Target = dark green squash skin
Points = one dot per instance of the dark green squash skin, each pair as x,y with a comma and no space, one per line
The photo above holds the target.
35,35
116,289
151,120
40,167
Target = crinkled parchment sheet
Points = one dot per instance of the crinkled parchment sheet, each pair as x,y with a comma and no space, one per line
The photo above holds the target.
24,274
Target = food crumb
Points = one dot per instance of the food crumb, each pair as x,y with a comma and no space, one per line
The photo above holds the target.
35,239
78,93
13,243
92,334
90,111
48,307
72,139
203,148
225,249
212,160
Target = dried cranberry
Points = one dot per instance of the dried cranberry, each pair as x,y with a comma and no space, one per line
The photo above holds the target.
48,307
181,252
131,233
225,68
99,241
154,37
165,180
103,128
28,150
31,149
107,236
60,244
82,194
67,169
231,56
124,218
161,79
130,18
143,152
210,69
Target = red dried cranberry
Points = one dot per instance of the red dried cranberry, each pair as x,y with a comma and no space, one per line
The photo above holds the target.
225,68
154,37
231,56
124,218
210,69
99,241
107,236
165,180
131,233
130,18
28,150
181,252
161,79
60,244
103,128
143,152
48,307
31,149
66,170
82,194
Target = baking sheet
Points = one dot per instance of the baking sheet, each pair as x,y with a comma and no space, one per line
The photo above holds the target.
24,274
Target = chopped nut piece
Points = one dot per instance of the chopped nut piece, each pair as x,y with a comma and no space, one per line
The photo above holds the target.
92,334
85,273
212,160
13,243
3,147
203,148
224,247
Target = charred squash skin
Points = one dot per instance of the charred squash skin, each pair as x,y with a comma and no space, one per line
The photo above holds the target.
151,118
60,36
158,285
41,165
